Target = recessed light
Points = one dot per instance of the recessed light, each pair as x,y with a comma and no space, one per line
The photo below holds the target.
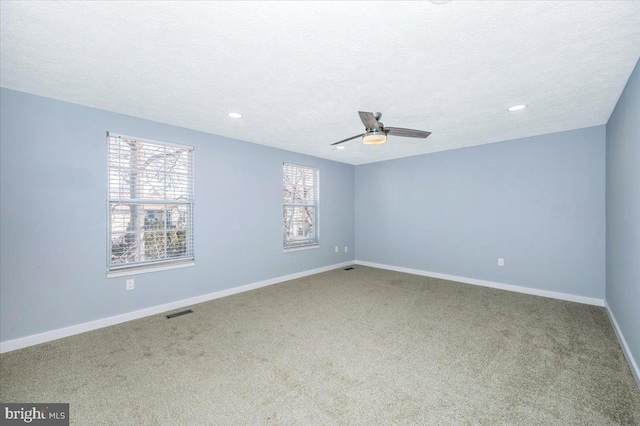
234,115
516,108
340,147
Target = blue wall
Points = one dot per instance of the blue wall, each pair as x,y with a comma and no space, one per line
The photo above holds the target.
53,229
623,213
538,202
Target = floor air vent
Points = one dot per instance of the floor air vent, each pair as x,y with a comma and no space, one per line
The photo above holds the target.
177,314
349,268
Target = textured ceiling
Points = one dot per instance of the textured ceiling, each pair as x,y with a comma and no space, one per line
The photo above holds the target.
300,71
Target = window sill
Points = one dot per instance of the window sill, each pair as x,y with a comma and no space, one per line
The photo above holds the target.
314,246
156,268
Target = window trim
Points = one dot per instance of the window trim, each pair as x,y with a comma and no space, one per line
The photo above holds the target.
300,248
315,244
153,266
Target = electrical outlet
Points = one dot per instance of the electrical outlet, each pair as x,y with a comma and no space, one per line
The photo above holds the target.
130,284
345,249
500,261
336,249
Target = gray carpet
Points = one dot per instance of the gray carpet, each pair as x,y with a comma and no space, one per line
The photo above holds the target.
365,346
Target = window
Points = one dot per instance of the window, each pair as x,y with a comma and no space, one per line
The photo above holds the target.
150,204
300,206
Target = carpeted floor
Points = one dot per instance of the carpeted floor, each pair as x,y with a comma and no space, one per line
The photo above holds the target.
365,346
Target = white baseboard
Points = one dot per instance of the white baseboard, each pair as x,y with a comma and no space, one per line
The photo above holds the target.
623,344
23,342
483,283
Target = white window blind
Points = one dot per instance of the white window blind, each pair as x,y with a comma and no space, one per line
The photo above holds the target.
150,203
300,207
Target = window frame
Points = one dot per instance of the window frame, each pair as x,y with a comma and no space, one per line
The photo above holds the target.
133,268
316,207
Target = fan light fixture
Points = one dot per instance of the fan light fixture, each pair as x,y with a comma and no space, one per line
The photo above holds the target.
340,147
375,133
234,115
374,137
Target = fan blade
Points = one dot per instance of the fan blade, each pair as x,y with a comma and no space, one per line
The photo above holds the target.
369,120
348,139
407,133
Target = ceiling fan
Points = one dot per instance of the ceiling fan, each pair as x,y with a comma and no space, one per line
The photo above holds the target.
376,133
